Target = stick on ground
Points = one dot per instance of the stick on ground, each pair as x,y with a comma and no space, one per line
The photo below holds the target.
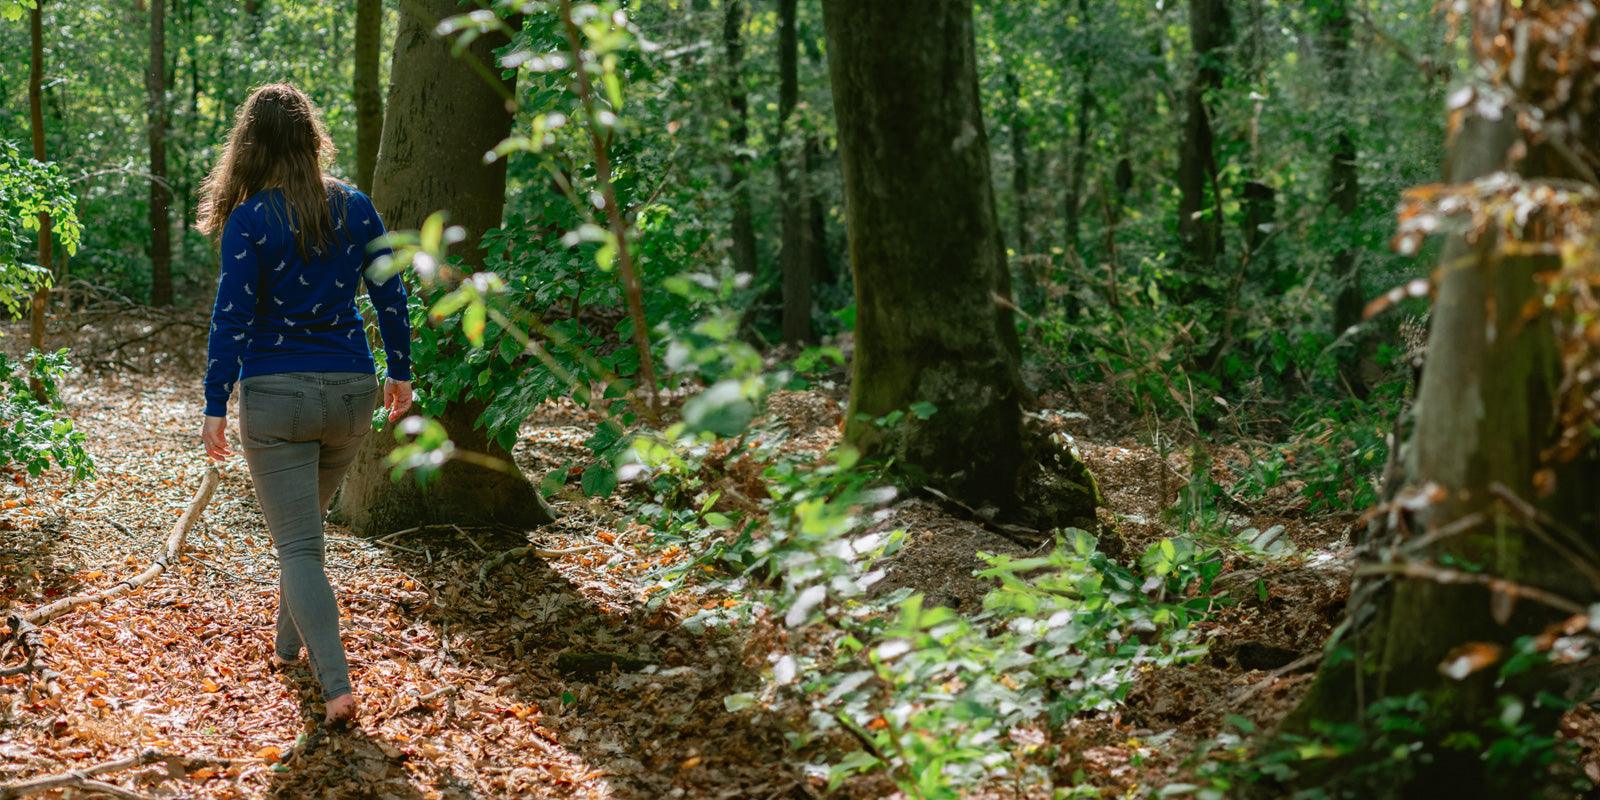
84,778
175,541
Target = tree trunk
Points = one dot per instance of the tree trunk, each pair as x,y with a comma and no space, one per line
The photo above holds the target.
933,319
1344,189
442,117
744,233
41,295
1019,164
368,98
1072,204
155,81
1199,224
1484,417
793,181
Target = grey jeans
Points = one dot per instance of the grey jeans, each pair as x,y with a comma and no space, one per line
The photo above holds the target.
300,432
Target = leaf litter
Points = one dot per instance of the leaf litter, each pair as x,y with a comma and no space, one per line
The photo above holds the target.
547,677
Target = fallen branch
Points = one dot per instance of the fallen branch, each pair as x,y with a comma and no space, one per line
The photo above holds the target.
175,541
84,778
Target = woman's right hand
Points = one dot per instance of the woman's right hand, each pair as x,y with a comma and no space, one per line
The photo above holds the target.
396,397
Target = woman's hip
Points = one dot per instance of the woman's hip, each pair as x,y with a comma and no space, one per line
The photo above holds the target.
305,406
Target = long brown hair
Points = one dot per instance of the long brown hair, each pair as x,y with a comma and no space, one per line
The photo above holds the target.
278,140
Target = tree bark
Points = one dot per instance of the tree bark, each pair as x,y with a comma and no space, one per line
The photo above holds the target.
743,232
933,309
1072,204
1019,164
1199,226
793,186
1344,188
368,97
1484,416
443,115
160,193
41,295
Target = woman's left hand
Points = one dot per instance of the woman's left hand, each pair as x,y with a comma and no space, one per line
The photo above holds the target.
214,435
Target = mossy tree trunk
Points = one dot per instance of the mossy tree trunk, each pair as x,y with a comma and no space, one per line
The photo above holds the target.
933,309
444,113
1483,416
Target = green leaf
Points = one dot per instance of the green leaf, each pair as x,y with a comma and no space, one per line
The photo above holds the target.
472,321
599,480
722,409
553,481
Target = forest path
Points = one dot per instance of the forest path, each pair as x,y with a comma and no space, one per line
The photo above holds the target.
468,689
481,689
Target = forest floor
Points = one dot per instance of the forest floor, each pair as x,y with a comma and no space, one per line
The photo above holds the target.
484,687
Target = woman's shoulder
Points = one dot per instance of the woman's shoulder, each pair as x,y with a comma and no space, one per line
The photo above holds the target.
253,208
340,190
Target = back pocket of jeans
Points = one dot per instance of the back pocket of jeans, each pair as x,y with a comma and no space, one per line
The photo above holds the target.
358,406
270,414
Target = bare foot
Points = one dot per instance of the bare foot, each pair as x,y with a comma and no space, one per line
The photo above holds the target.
341,711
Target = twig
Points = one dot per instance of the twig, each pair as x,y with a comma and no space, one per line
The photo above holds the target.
1018,534
1417,569
529,550
84,778
1250,691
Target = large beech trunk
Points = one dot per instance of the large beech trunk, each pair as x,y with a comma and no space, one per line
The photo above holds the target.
443,115
1484,413
934,322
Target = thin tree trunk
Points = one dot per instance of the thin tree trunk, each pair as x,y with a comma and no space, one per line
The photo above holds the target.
368,98
933,319
1072,205
1344,189
1199,226
442,116
744,234
160,192
1019,165
41,295
793,180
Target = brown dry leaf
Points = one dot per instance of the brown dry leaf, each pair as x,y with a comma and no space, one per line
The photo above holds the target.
1468,658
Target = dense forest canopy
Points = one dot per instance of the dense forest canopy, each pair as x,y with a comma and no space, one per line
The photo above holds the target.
1034,398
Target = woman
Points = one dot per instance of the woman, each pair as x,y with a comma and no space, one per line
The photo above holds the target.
294,246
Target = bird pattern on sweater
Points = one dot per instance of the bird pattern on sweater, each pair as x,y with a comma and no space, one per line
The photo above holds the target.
300,315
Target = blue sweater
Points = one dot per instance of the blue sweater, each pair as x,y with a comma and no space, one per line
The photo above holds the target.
277,312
